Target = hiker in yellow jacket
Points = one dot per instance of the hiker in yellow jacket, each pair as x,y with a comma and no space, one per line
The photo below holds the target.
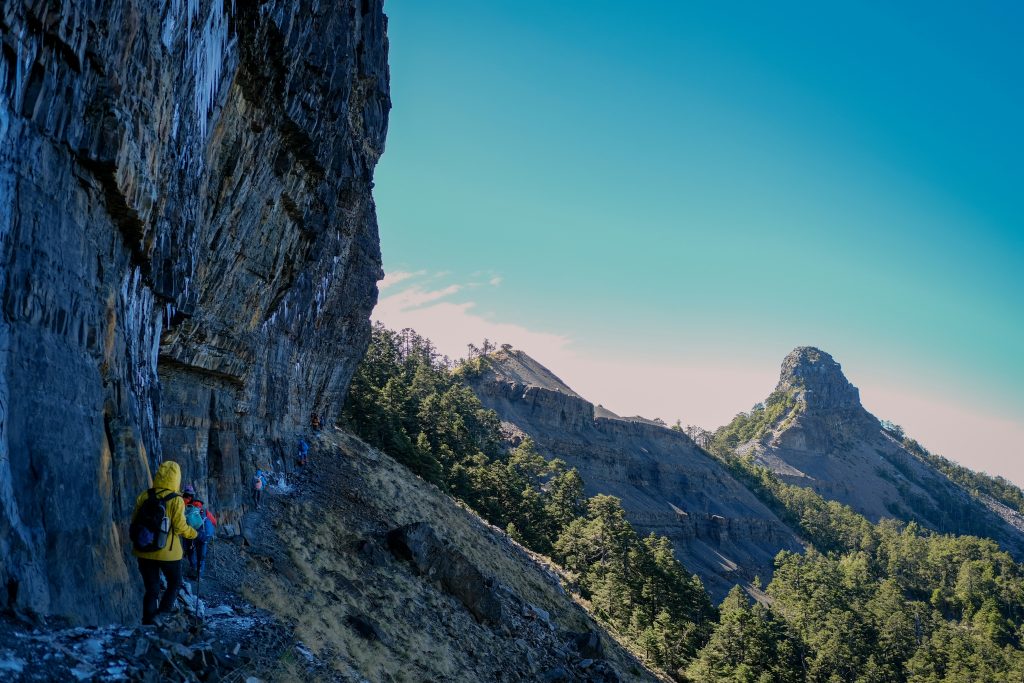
159,515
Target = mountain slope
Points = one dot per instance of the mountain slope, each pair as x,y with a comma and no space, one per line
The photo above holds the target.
814,432
667,485
324,558
319,588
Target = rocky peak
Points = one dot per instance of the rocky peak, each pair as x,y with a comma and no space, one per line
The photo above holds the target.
819,378
512,365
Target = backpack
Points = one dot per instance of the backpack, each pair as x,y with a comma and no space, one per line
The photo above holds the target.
194,517
208,531
150,526
257,482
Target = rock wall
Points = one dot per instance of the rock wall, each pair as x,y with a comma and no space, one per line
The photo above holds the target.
188,259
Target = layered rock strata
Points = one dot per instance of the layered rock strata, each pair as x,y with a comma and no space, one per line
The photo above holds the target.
188,259
667,485
832,444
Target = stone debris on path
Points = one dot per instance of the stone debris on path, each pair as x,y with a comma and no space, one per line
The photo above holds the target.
229,640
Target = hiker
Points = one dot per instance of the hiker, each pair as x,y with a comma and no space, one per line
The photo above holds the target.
259,482
203,521
157,523
314,421
302,454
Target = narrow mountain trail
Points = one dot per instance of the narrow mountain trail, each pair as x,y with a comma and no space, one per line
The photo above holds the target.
352,570
382,577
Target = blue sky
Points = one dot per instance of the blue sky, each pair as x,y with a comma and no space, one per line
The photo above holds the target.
660,200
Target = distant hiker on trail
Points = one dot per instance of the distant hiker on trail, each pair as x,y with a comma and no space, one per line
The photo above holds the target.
314,421
157,523
203,521
302,453
259,482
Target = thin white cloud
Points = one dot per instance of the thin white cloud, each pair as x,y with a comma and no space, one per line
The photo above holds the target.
708,393
495,281
451,326
415,297
392,279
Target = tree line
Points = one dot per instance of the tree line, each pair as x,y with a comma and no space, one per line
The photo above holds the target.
865,602
411,402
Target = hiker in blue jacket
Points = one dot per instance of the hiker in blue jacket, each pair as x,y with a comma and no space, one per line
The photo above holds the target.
203,521
259,483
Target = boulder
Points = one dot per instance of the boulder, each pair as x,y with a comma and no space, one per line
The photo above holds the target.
588,644
430,556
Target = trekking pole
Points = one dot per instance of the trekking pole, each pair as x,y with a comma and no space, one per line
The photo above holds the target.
199,614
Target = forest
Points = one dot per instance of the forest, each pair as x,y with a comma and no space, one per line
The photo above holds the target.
865,602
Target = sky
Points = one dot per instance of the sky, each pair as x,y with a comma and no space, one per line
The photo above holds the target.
659,200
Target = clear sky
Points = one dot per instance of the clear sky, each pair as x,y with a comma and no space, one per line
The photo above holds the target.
659,200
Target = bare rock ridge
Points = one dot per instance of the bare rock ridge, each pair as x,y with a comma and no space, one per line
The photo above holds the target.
188,259
830,443
666,483
820,378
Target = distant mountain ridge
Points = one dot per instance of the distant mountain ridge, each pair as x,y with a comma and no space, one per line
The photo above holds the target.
827,441
812,431
668,486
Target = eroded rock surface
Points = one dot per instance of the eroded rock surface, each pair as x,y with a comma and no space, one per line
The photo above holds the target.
419,545
188,259
667,485
830,443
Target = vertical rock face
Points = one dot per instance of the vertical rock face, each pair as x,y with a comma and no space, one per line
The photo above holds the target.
819,378
188,259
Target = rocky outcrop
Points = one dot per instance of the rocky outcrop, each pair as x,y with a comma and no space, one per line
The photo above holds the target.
667,485
419,545
830,443
819,379
188,258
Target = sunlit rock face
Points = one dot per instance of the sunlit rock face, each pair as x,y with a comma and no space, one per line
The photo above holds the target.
188,259
829,442
667,485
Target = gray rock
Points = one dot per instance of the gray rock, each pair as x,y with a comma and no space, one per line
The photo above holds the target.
372,552
556,675
589,644
419,545
189,253
830,443
667,484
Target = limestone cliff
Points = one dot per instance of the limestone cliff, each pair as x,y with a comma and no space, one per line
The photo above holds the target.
188,259
667,485
829,442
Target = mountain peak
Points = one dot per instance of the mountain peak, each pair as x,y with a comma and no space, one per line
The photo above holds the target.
517,366
819,377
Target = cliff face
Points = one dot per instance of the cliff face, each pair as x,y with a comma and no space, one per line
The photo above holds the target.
832,444
188,259
667,484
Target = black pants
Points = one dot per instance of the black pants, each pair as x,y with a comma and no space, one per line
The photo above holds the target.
151,570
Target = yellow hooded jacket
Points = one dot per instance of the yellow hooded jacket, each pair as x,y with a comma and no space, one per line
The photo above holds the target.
167,479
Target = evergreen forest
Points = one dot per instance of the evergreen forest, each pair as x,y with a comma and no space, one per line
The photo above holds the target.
864,603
